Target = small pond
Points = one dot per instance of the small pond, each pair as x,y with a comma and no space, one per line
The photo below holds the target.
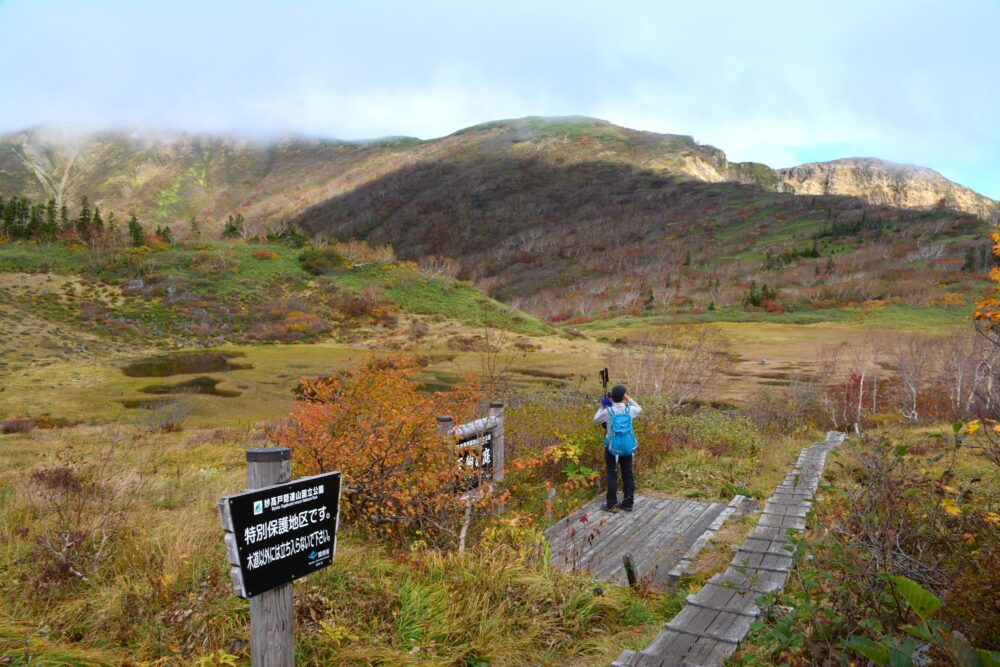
184,363
198,385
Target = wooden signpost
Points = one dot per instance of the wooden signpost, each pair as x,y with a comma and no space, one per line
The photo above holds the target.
276,532
479,446
279,530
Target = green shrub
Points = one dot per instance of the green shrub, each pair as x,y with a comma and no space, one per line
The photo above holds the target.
719,432
320,261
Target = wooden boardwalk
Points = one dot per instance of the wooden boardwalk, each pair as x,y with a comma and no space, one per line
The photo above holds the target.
659,533
707,630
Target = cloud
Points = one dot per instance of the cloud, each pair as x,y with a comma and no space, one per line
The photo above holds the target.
766,81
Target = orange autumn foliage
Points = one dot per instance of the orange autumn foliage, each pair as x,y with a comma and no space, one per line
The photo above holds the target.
376,427
988,308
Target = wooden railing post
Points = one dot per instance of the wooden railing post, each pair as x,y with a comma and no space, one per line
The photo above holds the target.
496,410
272,621
630,573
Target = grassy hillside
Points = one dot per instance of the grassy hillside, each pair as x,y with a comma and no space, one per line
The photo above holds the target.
216,291
71,319
561,217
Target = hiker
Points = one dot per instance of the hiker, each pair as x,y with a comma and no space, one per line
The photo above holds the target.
617,412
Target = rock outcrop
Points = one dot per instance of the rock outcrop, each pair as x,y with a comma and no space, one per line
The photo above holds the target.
886,183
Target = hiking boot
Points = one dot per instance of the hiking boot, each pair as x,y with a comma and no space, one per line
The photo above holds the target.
627,508
611,510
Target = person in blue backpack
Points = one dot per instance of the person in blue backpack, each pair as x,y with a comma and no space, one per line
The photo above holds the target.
617,412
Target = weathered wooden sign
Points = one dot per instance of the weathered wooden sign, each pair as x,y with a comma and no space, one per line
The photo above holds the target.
280,533
479,447
475,454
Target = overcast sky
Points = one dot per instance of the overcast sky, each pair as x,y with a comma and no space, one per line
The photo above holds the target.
774,82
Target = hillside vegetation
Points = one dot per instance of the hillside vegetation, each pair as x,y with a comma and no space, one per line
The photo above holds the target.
64,301
564,218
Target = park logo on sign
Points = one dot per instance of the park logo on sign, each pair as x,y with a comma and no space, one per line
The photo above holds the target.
258,507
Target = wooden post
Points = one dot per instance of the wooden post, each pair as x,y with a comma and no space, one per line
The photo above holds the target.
272,620
445,424
633,580
496,410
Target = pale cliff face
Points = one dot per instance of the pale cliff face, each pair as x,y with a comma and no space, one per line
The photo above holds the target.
886,183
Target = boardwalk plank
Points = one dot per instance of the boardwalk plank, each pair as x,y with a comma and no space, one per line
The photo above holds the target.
706,631
671,646
636,659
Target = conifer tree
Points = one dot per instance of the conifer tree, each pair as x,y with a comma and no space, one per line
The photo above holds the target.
51,219
36,218
112,227
235,227
83,220
195,228
135,232
64,223
970,259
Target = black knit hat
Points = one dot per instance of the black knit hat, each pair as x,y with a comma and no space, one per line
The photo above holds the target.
618,393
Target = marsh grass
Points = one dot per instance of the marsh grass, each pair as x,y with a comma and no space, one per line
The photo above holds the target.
163,597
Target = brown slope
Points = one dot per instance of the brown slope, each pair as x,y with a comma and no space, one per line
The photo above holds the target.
558,237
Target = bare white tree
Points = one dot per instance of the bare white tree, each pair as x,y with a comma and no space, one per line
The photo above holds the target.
678,363
915,360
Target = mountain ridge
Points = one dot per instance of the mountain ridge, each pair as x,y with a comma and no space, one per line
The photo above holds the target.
179,175
562,218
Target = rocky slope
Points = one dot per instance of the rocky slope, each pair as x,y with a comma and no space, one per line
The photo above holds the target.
169,180
886,183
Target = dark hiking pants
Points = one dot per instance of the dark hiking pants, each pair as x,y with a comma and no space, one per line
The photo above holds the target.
628,481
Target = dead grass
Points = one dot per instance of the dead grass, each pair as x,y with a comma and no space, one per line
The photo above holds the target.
164,596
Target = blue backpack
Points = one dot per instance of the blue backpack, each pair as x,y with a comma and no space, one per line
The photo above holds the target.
621,438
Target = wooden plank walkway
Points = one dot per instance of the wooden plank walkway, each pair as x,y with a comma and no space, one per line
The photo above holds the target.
713,622
659,533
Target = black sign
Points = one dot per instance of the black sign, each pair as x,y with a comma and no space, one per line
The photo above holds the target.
284,532
475,453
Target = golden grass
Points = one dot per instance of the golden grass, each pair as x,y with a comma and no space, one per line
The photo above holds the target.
164,595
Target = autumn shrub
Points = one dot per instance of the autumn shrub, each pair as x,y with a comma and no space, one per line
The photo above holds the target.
417,330
321,261
790,409
892,513
771,306
713,429
466,343
80,507
17,425
289,320
208,264
169,415
376,426
366,303
704,454
555,455
128,263
359,253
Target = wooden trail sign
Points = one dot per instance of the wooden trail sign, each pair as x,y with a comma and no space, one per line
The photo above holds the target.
479,446
276,532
